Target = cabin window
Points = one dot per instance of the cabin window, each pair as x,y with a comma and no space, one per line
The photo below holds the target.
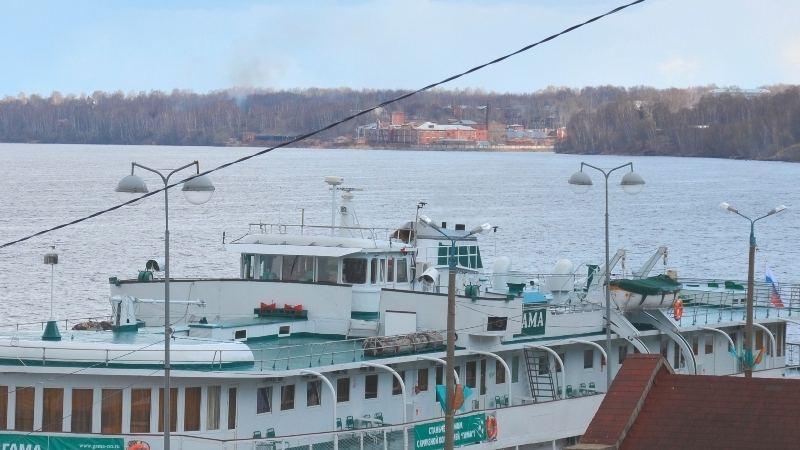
439,375
373,270
472,374
173,409
499,373
371,386
396,386
665,347
709,345
382,270
111,411
588,358
496,323
342,390
759,340
483,377
390,270
212,407
327,269
287,397
298,268
402,270
81,417
140,410
23,411
563,357
677,356
422,380
515,369
696,345
354,270
313,391
622,352
264,400
191,408
53,409
3,407
248,266
269,267
232,408
780,338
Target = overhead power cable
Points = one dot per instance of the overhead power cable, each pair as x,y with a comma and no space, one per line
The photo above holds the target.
305,136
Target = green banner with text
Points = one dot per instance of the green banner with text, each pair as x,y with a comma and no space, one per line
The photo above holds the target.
468,430
534,321
38,442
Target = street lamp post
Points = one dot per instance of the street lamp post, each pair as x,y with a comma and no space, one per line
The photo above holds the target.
632,183
747,360
197,191
449,424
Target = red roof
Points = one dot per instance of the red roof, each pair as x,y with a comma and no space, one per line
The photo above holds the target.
648,406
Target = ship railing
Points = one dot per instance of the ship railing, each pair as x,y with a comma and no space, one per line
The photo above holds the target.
792,355
39,325
373,233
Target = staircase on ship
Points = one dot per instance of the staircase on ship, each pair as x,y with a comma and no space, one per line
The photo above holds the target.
540,375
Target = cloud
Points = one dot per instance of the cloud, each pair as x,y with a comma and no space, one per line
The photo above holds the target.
678,67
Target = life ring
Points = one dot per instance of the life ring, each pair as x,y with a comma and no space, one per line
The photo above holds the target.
491,428
677,309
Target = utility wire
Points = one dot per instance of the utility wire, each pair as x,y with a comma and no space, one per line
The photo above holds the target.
305,136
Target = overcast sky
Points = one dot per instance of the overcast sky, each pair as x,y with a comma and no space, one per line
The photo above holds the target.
81,46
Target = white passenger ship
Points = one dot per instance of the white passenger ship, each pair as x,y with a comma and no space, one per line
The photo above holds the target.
332,337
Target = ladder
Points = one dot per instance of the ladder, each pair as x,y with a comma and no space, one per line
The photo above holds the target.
540,376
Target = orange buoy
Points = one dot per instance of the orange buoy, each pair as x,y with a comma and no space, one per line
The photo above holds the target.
491,428
677,309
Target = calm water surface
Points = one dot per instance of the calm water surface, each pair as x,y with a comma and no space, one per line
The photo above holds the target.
525,194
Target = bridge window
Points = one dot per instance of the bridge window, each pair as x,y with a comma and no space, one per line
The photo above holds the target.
191,408
327,269
248,266
402,270
53,409
298,268
140,410
269,267
264,400
23,417
111,411
212,407
371,386
81,417
173,409
373,270
709,347
390,270
3,407
354,271
422,379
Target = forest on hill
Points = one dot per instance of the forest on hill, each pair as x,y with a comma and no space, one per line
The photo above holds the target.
699,121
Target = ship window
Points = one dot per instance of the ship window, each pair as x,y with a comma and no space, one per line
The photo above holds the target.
173,409
759,339
343,390
422,380
496,323
232,408
81,417
396,389
287,397
248,265
696,345
588,358
354,271
191,408
298,268
402,270
240,334
327,269
483,377
472,367
499,373
212,407
111,411
381,270
373,270
53,409
3,407
371,386
23,411
264,400
269,267
390,270
439,375
709,345
515,369
313,393
140,410
780,338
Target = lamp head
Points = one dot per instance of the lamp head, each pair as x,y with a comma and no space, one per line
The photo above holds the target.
198,190
725,206
130,187
632,183
480,229
425,219
580,182
776,210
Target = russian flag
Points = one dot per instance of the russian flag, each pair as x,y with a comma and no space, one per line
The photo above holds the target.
775,296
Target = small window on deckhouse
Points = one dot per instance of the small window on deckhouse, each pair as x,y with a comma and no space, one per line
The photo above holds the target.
269,267
402,270
354,270
327,269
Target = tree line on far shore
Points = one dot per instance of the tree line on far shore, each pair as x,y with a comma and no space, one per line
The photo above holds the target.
697,121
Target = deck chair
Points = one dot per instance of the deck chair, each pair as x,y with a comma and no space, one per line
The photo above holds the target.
350,423
582,389
570,392
592,388
338,423
379,416
256,434
270,432
497,402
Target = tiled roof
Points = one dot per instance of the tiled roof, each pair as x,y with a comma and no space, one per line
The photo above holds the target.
650,407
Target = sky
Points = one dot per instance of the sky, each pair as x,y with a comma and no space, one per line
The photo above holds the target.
81,46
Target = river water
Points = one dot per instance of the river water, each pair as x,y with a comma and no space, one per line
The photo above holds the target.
540,218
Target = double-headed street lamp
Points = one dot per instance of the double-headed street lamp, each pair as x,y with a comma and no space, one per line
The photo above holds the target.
632,183
197,191
747,359
449,425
